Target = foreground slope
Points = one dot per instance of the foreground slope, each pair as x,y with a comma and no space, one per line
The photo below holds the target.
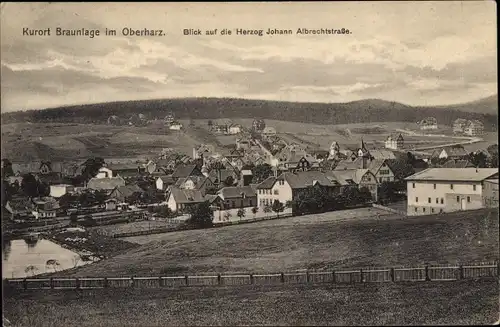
433,303
319,242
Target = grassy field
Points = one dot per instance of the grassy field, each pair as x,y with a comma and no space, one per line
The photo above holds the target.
343,239
23,142
436,303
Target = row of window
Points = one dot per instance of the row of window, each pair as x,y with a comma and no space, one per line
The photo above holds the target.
429,200
432,210
270,192
266,202
451,186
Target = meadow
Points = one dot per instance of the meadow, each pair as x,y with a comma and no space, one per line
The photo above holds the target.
436,303
343,239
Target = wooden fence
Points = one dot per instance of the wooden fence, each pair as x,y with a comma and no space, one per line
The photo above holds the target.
370,275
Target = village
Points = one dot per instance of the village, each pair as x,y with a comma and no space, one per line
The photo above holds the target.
261,176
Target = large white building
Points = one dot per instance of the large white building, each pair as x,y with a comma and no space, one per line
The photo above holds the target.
436,190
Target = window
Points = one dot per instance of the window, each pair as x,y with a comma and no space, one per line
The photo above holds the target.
437,200
423,209
440,210
442,201
458,199
429,200
380,179
233,203
416,199
260,191
432,210
451,186
413,185
473,187
434,186
416,209
251,203
468,199
276,192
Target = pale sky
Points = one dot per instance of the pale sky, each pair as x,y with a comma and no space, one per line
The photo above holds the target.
417,53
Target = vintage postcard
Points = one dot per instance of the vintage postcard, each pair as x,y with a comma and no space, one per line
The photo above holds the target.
249,163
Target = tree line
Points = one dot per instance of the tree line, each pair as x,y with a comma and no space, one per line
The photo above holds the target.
213,108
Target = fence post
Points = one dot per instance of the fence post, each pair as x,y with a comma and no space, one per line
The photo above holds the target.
219,279
187,280
132,281
251,279
105,282
77,280
427,277
498,268
282,277
393,275
25,284
308,279
362,276
160,281
334,278
51,282
461,272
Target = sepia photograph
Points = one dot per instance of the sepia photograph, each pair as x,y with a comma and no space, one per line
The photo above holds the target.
249,163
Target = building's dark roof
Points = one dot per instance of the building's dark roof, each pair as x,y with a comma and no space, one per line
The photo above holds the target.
457,164
237,192
303,179
127,190
186,196
108,183
183,171
453,151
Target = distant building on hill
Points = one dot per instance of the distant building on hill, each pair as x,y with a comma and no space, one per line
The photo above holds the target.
459,125
468,127
428,123
473,128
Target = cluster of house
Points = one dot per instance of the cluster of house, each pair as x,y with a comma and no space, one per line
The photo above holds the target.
225,179
468,127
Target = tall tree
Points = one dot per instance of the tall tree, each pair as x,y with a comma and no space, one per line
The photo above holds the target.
278,207
30,186
261,172
91,167
201,215
478,159
7,168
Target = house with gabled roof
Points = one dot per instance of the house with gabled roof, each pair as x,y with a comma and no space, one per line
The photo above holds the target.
179,199
238,197
121,193
459,125
199,183
287,186
451,152
394,141
428,123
